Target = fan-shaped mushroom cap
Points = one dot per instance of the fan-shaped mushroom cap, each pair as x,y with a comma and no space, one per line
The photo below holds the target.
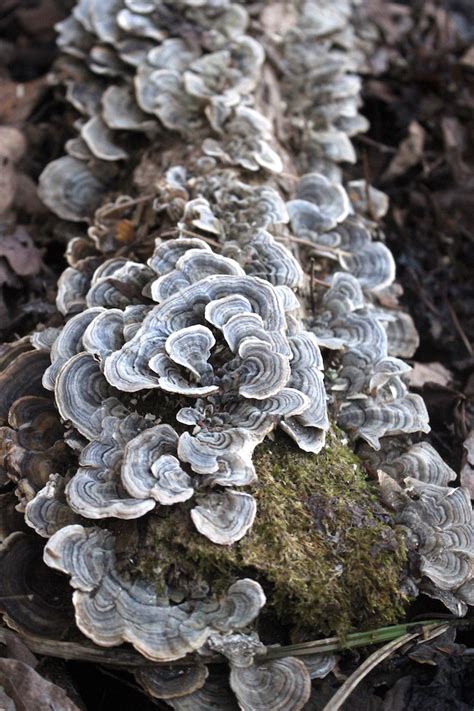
367,200
105,332
100,141
106,285
69,189
172,682
161,92
245,142
319,665
224,517
421,461
225,457
222,76
273,262
373,266
198,213
44,339
402,336
372,419
345,294
95,490
33,599
81,390
68,344
173,53
72,289
22,376
167,254
319,205
139,24
442,520
150,469
48,511
121,113
191,348
282,684
111,610
306,376
333,145
193,266
215,694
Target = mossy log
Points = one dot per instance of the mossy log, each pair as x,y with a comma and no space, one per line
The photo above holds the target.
323,548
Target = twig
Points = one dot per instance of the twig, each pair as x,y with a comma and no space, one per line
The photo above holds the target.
126,204
190,233
376,658
355,639
382,147
459,328
128,658
312,245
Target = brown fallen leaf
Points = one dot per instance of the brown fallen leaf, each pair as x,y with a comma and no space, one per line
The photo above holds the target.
467,469
12,147
467,59
39,19
20,252
18,99
25,690
423,373
409,153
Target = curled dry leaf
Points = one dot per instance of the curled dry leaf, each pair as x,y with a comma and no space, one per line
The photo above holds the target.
27,690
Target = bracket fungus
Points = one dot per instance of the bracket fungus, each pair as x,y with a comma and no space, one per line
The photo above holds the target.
111,610
193,338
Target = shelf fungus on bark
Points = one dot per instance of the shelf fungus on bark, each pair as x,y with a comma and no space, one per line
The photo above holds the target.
70,189
33,598
418,461
440,525
218,337
172,682
111,610
174,368
215,693
259,684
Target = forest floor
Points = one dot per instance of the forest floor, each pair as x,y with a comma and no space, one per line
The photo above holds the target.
419,98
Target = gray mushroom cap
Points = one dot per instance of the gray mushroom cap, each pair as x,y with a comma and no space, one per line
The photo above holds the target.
68,344
319,205
224,517
81,391
172,682
111,610
69,189
150,469
48,511
121,113
372,419
282,684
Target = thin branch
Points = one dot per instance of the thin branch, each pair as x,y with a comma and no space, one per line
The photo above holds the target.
343,693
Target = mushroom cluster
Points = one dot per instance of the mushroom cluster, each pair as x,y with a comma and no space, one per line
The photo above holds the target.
135,67
179,354
228,359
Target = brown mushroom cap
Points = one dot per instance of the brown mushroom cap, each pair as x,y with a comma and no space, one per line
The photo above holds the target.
173,681
33,598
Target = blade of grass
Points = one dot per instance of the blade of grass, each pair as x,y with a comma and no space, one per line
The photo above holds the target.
376,658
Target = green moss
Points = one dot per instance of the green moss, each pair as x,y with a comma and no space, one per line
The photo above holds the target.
321,545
